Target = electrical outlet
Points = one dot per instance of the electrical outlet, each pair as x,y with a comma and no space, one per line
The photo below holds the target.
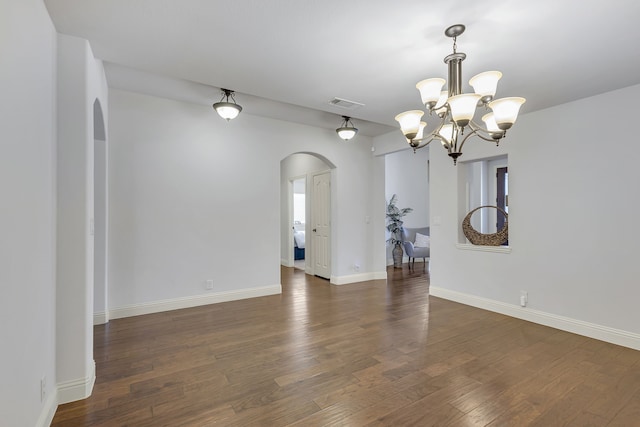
43,388
208,284
524,298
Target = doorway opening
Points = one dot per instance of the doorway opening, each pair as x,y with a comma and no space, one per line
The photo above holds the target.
306,177
299,222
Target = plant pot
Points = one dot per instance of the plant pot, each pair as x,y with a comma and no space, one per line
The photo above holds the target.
397,256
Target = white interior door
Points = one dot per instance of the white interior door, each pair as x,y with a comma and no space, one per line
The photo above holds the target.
321,225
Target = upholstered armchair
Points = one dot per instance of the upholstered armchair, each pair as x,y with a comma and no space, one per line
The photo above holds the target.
409,243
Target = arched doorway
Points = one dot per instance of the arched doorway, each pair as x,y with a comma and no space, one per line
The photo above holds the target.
317,172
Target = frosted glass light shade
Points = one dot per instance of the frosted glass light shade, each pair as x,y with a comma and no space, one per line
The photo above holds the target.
448,133
485,84
506,110
490,121
347,133
463,108
430,91
420,134
440,109
227,110
410,122
416,141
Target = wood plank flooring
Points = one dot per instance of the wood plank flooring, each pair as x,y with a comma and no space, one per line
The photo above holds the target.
367,354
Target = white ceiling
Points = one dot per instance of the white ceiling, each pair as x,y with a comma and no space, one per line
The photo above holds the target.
288,58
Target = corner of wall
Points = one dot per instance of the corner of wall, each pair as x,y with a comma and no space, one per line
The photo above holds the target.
73,390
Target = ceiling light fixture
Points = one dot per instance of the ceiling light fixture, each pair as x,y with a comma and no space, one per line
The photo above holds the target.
456,109
345,131
225,109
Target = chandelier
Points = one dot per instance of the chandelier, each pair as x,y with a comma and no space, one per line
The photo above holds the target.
456,109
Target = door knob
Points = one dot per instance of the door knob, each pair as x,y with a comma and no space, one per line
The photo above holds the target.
314,230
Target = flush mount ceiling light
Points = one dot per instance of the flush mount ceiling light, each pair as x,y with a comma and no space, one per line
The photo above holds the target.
346,131
456,109
225,109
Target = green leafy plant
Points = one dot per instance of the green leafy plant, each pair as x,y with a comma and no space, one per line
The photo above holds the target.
394,220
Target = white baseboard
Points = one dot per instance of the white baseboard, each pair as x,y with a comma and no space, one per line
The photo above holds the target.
192,301
48,410
286,263
360,277
587,329
100,318
79,389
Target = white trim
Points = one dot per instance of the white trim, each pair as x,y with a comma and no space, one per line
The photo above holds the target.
360,277
79,389
192,301
48,410
591,330
100,318
481,248
286,263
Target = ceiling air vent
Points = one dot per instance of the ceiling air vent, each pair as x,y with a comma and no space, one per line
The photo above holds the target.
346,104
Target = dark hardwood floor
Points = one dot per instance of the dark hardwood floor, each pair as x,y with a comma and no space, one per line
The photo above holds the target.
374,353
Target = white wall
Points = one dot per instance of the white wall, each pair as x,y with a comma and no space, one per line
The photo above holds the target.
377,238
81,81
100,296
573,209
193,197
27,185
407,177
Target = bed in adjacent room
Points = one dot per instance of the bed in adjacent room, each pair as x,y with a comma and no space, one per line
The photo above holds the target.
298,241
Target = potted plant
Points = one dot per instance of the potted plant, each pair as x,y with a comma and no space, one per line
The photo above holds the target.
394,227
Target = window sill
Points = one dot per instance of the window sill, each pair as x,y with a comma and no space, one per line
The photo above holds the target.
495,249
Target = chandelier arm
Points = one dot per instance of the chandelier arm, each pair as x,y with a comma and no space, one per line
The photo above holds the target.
476,127
432,135
481,132
473,132
443,118
422,143
477,132
479,135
